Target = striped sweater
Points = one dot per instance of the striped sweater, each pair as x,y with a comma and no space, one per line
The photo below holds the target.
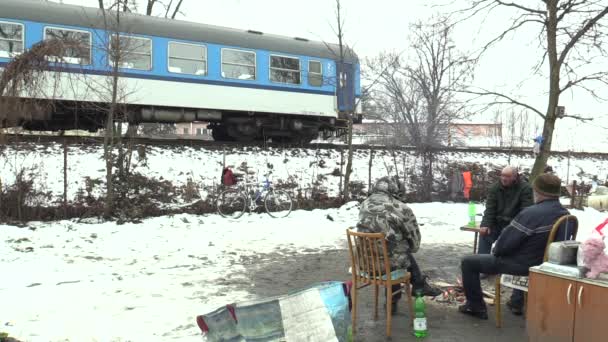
524,240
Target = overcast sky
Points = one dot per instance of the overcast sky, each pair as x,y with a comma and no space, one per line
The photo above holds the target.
383,25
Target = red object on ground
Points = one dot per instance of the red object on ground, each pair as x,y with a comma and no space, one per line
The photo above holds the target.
200,321
602,228
468,184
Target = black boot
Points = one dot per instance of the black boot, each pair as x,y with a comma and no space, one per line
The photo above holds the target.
468,309
517,310
426,288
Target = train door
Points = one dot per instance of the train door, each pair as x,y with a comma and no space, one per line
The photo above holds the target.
345,87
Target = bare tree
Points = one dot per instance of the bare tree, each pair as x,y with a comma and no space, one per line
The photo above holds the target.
27,88
416,95
344,51
112,96
115,94
572,35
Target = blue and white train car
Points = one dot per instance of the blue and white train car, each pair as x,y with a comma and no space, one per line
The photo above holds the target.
248,84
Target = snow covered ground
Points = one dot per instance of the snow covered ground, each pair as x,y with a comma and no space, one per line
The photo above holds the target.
303,167
68,281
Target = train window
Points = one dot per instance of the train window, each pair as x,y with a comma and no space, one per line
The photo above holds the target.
285,69
315,73
11,39
132,52
187,58
238,64
76,47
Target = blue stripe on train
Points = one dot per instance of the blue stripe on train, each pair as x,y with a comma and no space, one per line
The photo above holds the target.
187,80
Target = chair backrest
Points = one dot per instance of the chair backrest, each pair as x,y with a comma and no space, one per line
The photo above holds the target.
570,223
368,256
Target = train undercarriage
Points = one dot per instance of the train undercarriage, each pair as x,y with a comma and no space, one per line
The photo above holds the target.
224,125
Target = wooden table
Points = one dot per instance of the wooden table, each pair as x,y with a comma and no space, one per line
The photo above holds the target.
475,230
562,308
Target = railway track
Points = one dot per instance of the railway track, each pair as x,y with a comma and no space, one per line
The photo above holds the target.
217,145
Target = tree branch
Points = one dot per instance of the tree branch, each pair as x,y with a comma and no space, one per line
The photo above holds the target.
588,25
168,8
508,98
179,4
521,7
598,76
577,117
149,7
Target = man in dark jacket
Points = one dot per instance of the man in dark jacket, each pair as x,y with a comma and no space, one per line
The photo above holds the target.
505,200
520,246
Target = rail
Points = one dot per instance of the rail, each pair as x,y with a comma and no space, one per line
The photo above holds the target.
217,145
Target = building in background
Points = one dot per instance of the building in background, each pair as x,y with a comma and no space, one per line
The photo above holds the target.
193,130
455,134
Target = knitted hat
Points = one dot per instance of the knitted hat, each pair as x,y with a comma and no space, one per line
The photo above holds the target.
548,184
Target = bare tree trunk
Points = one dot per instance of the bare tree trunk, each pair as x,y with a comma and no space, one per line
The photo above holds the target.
349,160
554,90
131,133
19,181
369,176
121,151
341,169
65,178
427,173
108,141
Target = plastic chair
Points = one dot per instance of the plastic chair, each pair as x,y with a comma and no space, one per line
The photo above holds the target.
507,280
369,266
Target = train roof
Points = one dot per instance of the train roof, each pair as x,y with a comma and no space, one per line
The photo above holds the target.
74,15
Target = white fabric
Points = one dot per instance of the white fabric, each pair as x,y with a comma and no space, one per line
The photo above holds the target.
305,318
514,282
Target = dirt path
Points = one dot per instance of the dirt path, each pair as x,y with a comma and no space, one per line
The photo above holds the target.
275,274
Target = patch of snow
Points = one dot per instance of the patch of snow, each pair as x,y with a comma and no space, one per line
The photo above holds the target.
148,281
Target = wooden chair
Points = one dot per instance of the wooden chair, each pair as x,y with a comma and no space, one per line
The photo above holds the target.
369,266
522,281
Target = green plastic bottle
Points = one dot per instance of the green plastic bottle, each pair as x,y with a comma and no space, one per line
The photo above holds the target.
420,329
472,214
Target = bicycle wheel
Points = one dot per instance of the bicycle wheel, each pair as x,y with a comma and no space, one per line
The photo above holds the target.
231,203
278,203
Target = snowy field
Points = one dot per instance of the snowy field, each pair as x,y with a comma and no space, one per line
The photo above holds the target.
67,281
303,167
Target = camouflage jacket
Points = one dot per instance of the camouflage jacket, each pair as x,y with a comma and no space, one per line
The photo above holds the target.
382,212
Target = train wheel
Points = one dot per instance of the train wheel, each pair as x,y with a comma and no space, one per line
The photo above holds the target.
220,133
242,132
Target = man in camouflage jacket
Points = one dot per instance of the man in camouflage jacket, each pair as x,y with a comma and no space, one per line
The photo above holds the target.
384,212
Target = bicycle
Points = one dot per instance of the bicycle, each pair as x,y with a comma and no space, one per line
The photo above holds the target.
233,202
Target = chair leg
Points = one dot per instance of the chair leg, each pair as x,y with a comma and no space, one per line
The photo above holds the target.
526,304
354,312
410,303
376,290
497,302
389,309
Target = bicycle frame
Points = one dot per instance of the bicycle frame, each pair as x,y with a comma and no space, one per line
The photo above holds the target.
253,194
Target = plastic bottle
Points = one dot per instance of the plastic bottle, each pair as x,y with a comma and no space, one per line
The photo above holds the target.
472,214
420,328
